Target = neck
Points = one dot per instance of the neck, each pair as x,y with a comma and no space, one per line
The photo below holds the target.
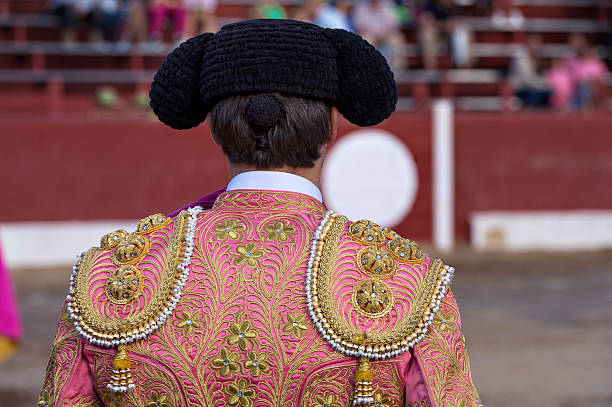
311,174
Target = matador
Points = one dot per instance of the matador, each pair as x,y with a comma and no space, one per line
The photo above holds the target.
258,294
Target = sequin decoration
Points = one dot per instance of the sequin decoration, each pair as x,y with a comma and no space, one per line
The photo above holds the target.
373,298
124,284
131,250
113,239
152,223
366,232
405,250
376,262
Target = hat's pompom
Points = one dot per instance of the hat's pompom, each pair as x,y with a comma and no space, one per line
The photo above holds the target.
262,113
367,92
175,91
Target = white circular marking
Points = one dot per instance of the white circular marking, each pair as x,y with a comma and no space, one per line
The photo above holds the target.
370,174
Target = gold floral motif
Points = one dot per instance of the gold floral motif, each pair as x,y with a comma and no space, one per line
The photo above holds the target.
444,321
226,362
241,334
376,262
240,393
131,250
295,325
247,254
327,400
158,399
269,201
256,363
455,401
189,322
113,239
279,231
381,400
231,228
405,250
366,232
124,284
373,298
152,223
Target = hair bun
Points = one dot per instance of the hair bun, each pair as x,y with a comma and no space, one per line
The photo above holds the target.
262,112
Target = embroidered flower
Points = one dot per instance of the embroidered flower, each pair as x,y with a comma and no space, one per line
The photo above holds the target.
295,325
226,362
241,334
256,363
46,400
444,321
279,231
240,393
248,254
189,322
326,400
113,399
381,400
231,229
158,400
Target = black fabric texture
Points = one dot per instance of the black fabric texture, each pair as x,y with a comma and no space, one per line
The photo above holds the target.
263,56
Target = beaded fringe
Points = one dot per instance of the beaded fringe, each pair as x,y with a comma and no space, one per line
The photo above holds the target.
121,379
363,383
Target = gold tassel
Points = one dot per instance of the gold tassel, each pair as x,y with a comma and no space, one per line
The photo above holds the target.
121,380
363,383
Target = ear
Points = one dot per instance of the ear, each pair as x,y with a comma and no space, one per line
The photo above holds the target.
333,125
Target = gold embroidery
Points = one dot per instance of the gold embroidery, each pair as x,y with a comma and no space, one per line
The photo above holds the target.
189,322
376,262
268,200
157,399
373,298
381,400
295,325
366,232
131,250
327,399
405,250
124,284
226,362
256,363
152,223
247,254
241,334
240,393
279,231
231,229
92,270
112,239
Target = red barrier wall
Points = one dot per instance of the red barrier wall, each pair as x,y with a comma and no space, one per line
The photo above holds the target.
64,170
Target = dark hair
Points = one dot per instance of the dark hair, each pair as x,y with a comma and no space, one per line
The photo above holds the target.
295,138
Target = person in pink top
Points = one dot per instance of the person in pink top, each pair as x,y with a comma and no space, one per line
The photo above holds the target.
10,324
259,295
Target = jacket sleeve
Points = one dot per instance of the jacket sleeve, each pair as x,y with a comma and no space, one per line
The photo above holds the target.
444,360
68,380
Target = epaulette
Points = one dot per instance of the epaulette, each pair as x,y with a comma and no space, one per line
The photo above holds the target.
371,293
126,288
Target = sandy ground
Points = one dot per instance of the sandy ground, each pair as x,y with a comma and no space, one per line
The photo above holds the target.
538,328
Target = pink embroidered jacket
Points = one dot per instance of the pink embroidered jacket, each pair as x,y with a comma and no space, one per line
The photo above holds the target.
263,300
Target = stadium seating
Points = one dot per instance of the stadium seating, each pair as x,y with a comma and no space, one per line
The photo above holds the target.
33,60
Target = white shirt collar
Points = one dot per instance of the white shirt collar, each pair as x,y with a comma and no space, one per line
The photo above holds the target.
274,181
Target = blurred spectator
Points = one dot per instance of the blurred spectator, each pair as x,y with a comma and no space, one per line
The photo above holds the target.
335,14
110,18
70,12
561,83
136,22
161,10
308,10
375,21
588,74
201,16
442,17
404,11
527,74
507,17
269,9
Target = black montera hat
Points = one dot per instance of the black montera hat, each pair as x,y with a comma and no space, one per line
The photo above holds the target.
286,56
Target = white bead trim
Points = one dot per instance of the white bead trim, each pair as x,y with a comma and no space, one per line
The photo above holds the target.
443,281
182,275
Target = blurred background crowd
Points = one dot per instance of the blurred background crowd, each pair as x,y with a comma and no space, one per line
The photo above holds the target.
489,54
